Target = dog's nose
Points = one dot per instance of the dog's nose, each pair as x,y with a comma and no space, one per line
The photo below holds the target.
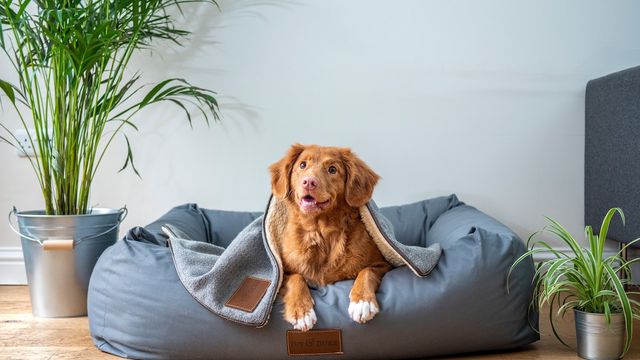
309,183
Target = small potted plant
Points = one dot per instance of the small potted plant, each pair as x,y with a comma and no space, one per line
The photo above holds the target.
587,282
74,90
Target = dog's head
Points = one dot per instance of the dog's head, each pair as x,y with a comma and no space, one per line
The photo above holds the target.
320,178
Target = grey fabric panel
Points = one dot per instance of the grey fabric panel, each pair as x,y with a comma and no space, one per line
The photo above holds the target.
612,145
462,221
189,218
422,258
139,309
412,222
226,225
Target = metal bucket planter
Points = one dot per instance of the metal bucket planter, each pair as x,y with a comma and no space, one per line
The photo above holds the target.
597,339
60,252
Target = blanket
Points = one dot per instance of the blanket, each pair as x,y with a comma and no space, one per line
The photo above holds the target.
250,268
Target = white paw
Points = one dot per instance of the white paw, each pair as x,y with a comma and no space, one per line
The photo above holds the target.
305,322
362,311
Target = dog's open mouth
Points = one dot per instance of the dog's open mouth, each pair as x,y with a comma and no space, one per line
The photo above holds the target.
309,203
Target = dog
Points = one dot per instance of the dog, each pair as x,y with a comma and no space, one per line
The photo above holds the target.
324,240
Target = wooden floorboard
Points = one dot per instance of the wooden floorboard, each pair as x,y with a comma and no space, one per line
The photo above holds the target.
24,337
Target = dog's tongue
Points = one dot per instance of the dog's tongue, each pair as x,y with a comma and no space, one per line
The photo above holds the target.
308,203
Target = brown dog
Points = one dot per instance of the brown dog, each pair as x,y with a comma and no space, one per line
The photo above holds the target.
325,241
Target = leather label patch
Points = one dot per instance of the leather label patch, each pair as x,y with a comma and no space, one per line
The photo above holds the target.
249,294
314,342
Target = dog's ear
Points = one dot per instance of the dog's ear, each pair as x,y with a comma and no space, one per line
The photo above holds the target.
360,179
281,171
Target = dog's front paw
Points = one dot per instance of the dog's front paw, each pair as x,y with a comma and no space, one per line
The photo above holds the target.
362,311
302,320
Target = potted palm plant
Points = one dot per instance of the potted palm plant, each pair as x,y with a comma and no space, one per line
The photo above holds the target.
73,89
586,282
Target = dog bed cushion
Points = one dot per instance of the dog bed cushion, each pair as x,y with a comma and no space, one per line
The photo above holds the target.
138,308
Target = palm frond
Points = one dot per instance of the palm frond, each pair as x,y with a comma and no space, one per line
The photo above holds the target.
71,60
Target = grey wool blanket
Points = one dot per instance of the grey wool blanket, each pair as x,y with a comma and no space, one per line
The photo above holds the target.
240,283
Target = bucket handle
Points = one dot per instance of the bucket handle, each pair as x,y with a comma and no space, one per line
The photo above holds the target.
123,214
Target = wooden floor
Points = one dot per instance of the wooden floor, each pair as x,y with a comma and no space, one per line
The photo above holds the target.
24,337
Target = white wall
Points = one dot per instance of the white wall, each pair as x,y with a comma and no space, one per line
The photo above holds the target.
480,98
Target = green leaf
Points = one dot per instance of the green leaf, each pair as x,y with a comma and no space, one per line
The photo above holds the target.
2,42
564,235
108,101
593,240
184,108
9,142
22,8
129,159
521,258
153,92
126,122
607,312
566,306
604,228
626,306
8,90
553,325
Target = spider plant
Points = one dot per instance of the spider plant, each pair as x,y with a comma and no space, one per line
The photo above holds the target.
70,58
583,278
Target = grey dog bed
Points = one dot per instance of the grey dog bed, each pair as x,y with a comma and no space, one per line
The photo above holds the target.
138,308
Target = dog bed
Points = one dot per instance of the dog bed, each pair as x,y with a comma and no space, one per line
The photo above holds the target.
139,308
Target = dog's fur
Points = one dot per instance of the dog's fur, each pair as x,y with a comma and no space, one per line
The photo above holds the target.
325,241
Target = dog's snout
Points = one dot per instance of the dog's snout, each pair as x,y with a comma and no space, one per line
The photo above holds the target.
309,182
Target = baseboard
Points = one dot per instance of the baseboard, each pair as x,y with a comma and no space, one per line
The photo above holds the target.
548,255
12,266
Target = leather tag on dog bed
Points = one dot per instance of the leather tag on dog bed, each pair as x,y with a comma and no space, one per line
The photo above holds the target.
249,294
314,342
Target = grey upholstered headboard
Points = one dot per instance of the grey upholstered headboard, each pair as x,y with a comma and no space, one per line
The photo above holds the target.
612,152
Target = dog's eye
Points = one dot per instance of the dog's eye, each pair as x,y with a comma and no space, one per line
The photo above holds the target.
332,169
303,165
